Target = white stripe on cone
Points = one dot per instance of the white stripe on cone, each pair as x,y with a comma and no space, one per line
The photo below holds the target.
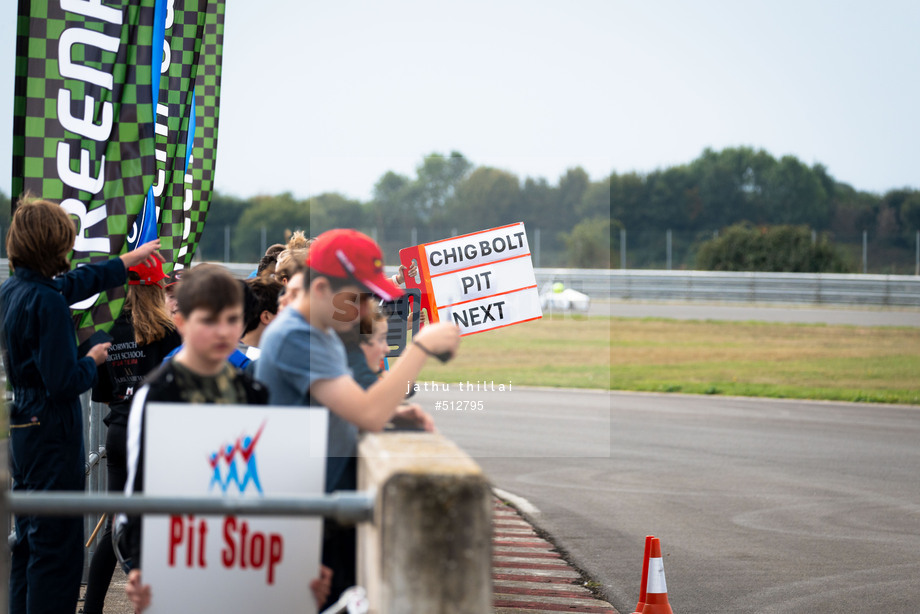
656,583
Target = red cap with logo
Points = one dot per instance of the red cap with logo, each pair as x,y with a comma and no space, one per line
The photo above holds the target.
348,253
145,275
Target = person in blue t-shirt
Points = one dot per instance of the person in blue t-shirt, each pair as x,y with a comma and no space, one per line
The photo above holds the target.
303,361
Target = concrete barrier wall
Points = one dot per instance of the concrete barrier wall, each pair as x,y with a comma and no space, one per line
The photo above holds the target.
429,548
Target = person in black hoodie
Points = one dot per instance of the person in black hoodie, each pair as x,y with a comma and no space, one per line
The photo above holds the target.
142,336
211,322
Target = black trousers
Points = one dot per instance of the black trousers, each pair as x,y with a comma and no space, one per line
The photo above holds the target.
340,543
47,561
103,562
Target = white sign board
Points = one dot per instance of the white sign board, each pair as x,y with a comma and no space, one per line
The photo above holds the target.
232,564
480,281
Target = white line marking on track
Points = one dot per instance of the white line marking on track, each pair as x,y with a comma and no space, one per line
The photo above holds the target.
520,503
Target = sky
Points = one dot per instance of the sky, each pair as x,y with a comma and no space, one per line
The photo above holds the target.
328,96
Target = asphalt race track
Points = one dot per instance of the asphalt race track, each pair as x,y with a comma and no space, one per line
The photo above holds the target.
766,506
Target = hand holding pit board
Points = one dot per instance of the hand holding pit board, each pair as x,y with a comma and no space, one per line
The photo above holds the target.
480,281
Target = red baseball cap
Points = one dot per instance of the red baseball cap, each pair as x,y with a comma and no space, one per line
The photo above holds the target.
144,275
348,253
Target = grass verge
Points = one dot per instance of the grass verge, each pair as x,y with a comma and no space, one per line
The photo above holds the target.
804,361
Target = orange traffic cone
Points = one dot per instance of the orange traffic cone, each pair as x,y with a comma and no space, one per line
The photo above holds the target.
641,604
656,591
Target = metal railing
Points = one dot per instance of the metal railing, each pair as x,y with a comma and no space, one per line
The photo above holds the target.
349,507
345,507
713,286
94,432
797,288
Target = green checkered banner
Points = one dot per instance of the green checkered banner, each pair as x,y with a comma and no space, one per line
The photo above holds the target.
115,117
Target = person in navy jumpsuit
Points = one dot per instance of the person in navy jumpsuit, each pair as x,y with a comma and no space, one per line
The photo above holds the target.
47,378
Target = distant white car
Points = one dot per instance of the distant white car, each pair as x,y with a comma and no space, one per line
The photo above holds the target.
557,298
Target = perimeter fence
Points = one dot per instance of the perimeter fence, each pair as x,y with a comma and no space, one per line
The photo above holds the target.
866,252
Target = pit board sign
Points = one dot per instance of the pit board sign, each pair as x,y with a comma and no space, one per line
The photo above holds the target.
221,564
481,281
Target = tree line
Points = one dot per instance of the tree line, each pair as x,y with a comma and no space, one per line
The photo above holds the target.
739,185
447,196
579,220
